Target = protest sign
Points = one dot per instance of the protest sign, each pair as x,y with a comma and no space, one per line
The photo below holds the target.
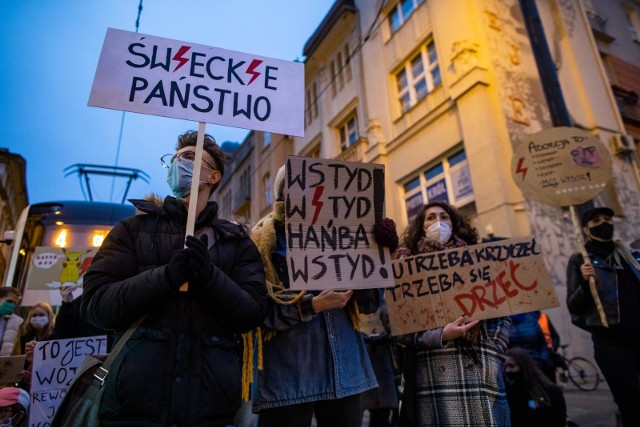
54,365
54,267
561,166
153,75
480,282
11,368
564,166
331,208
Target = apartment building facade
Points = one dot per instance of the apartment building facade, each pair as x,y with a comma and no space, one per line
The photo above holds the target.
13,198
442,91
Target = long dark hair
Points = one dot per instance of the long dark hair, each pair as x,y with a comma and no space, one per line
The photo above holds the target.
533,381
461,227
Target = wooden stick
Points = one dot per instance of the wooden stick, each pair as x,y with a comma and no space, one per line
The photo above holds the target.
195,185
585,256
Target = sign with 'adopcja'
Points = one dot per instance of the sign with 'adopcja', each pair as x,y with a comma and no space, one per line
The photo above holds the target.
483,281
54,366
331,208
153,75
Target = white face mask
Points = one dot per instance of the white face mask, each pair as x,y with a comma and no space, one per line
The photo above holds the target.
438,231
39,322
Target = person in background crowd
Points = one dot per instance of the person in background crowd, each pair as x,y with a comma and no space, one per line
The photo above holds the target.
381,402
617,273
9,322
527,334
533,400
69,323
314,359
182,365
14,407
453,374
37,327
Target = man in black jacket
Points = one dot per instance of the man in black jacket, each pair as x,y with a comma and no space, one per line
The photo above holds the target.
182,366
617,273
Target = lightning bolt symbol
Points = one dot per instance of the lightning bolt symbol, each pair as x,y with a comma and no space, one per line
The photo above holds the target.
317,203
520,169
251,70
178,57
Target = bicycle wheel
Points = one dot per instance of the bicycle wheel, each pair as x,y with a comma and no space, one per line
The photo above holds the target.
583,374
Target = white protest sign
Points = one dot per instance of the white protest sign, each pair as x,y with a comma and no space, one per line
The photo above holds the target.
480,282
54,365
561,166
154,75
331,207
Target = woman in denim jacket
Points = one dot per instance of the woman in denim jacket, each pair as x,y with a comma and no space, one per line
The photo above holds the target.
313,358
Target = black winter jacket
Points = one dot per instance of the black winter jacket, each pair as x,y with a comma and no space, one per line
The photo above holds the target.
182,366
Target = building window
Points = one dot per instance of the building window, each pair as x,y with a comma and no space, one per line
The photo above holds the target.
418,77
448,180
311,111
267,190
267,139
401,13
348,131
227,201
347,62
333,79
633,23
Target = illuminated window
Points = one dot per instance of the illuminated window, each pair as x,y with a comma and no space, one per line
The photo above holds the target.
418,77
448,180
401,13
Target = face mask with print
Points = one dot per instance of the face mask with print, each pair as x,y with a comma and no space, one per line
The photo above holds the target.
39,322
6,308
6,422
438,231
179,177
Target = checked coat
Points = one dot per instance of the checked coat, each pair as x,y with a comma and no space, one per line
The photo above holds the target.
459,382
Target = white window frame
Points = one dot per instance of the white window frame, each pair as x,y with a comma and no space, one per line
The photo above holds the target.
402,14
348,131
411,92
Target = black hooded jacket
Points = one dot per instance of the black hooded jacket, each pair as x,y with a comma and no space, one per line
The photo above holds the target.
182,366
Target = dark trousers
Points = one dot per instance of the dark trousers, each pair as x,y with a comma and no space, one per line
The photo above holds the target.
620,364
345,412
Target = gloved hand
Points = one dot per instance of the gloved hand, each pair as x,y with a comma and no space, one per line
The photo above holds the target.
179,268
386,234
201,266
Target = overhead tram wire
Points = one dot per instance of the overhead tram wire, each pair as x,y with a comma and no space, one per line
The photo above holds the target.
113,180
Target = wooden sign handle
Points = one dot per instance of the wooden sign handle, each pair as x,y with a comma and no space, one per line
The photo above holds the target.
585,256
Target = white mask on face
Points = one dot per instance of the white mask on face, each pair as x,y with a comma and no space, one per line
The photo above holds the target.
438,231
39,322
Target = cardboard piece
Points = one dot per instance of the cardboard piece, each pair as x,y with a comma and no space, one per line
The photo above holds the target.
331,208
11,368
480,282
561,166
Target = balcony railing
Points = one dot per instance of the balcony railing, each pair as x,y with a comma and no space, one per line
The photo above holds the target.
356,152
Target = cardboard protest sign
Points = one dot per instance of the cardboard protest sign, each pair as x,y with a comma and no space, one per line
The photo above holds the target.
53,267
11,368
331,208
561,166
480,282
153,75
54,365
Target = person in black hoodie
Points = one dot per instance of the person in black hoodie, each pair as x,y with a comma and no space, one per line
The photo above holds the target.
182,365
617,273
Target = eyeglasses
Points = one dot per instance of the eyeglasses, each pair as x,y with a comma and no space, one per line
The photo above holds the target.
187,156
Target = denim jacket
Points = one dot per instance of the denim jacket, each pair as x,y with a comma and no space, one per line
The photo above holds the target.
322,358
312,356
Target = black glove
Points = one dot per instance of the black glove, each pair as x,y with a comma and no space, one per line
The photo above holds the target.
201,266
386,234
179,268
